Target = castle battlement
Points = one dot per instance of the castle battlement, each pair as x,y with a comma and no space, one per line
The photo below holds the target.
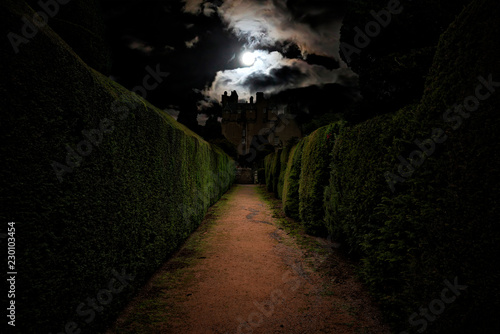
243,122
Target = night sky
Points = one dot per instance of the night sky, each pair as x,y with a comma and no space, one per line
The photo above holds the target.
294,43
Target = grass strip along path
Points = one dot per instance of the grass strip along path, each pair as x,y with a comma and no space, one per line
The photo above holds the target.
248,270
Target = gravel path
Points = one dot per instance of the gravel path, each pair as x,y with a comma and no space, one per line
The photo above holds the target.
244,274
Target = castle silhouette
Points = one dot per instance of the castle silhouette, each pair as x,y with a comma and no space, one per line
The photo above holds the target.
261,122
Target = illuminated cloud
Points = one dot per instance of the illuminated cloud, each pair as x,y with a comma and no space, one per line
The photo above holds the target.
272,73
313,25
173,111
193,6
136,44
197,7
190,44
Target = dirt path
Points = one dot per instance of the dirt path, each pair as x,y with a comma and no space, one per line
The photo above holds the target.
241,273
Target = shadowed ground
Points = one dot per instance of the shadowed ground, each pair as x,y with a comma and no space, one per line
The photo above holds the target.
240,272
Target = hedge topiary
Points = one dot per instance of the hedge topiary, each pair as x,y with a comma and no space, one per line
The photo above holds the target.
283,165
98,181
315,171
291,181
267,165
440,223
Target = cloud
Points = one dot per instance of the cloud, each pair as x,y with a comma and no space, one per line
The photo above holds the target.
190,44
137,44
192,6
306,31
209,9
313,25
197,7
277,77
272,73
173,111
202,119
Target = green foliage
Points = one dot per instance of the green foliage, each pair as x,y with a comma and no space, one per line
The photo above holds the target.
283,165
299,174
267,166
361,156
441,223
272,167
226,146
291,181
275,171
127,205
314,176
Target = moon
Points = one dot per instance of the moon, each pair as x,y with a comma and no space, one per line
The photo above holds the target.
248,58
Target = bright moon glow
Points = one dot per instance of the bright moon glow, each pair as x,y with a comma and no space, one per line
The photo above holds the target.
248,59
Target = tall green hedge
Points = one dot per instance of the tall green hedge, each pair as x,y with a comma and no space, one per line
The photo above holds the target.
272,166
285,153
415,194
267,166
314,174
137,189
361,156
303,170
441,223
275,171
291,181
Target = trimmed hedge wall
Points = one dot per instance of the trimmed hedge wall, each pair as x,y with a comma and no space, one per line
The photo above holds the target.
291,181
285,153
139,184
415,195
303,170
272,166
267,166
441,223
314,176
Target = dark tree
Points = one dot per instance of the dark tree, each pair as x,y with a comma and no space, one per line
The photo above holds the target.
189,111
393,63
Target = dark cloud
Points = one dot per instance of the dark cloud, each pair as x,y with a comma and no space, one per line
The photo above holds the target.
291,51
200,43
192,48
197,7
326,62
318,100
273,73
316,13
277,77
312,25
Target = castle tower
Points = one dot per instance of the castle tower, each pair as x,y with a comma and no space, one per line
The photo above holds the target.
244,122
260,97
224,99
234,97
